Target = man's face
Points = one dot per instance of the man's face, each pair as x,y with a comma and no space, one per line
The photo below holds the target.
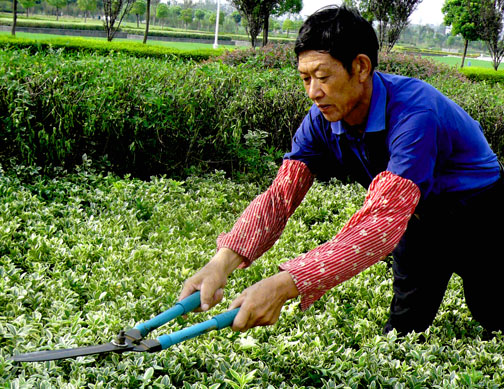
338,95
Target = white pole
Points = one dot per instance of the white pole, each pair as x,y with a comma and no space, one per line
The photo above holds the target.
215,45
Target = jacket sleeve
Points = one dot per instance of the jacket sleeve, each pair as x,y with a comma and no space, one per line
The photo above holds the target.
264,220
368,237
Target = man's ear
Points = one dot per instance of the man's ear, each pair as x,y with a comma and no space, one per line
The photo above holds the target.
362,66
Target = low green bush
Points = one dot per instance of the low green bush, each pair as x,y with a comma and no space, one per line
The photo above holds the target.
99,27
489,76
282,56
52,24
72,45
85,255
269,57
148,116
160,116
416,66
177,34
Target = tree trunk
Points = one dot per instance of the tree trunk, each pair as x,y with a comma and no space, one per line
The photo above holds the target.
265,31
14,17
147,20
465,53
138,21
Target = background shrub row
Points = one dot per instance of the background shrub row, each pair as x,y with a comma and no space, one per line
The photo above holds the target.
74,45
165,32
487,75
165,116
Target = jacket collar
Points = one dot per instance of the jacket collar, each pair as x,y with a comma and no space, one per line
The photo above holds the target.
376,118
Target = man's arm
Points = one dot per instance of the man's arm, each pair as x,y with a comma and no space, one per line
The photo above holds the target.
260,225
368,237
264,220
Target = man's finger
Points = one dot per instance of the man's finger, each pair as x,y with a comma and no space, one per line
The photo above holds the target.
241,320
187,290
210,296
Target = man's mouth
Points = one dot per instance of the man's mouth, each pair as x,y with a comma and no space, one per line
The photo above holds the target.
323,107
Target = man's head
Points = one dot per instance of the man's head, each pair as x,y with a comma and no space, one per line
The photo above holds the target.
340,31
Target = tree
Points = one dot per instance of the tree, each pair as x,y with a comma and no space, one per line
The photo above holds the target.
58,4
199,14
288,25
212,19
114,11
462,15
162,12
138,9
392,17
251,10
187,16
175,13
491,18
27,4
257,13
278,8
86,6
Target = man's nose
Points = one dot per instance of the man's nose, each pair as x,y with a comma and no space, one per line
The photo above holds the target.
314,90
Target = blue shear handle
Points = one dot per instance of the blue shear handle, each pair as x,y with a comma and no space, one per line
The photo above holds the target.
216,323
182,307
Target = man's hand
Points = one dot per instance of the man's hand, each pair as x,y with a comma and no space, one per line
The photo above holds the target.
260,304
211,278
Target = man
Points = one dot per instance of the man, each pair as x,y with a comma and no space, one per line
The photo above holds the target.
434,188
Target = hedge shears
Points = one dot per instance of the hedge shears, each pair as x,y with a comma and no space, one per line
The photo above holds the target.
133,339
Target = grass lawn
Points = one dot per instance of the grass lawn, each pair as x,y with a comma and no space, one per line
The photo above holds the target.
176,45
469,62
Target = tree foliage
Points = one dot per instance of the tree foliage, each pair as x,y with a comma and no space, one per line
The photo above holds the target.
462,15
86,6
114,11
257,13
138,9
392,17
162,12
58,4
491,19
27,4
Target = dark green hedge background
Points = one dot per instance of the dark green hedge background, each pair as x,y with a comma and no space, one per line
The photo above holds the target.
151,116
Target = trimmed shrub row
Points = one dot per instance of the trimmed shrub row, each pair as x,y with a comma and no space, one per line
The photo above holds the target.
99,27
157,116
74,45
147,116
487,75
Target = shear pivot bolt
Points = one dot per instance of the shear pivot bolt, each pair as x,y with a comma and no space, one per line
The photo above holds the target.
120,340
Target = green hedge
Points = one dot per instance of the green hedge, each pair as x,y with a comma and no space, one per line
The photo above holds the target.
155,116
74,45
148,116
52,24
99,27
479,74
86,255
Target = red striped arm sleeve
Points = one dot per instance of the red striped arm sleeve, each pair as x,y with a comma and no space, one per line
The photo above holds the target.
264,220
368,237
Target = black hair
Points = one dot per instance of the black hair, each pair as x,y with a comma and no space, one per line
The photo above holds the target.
340,31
